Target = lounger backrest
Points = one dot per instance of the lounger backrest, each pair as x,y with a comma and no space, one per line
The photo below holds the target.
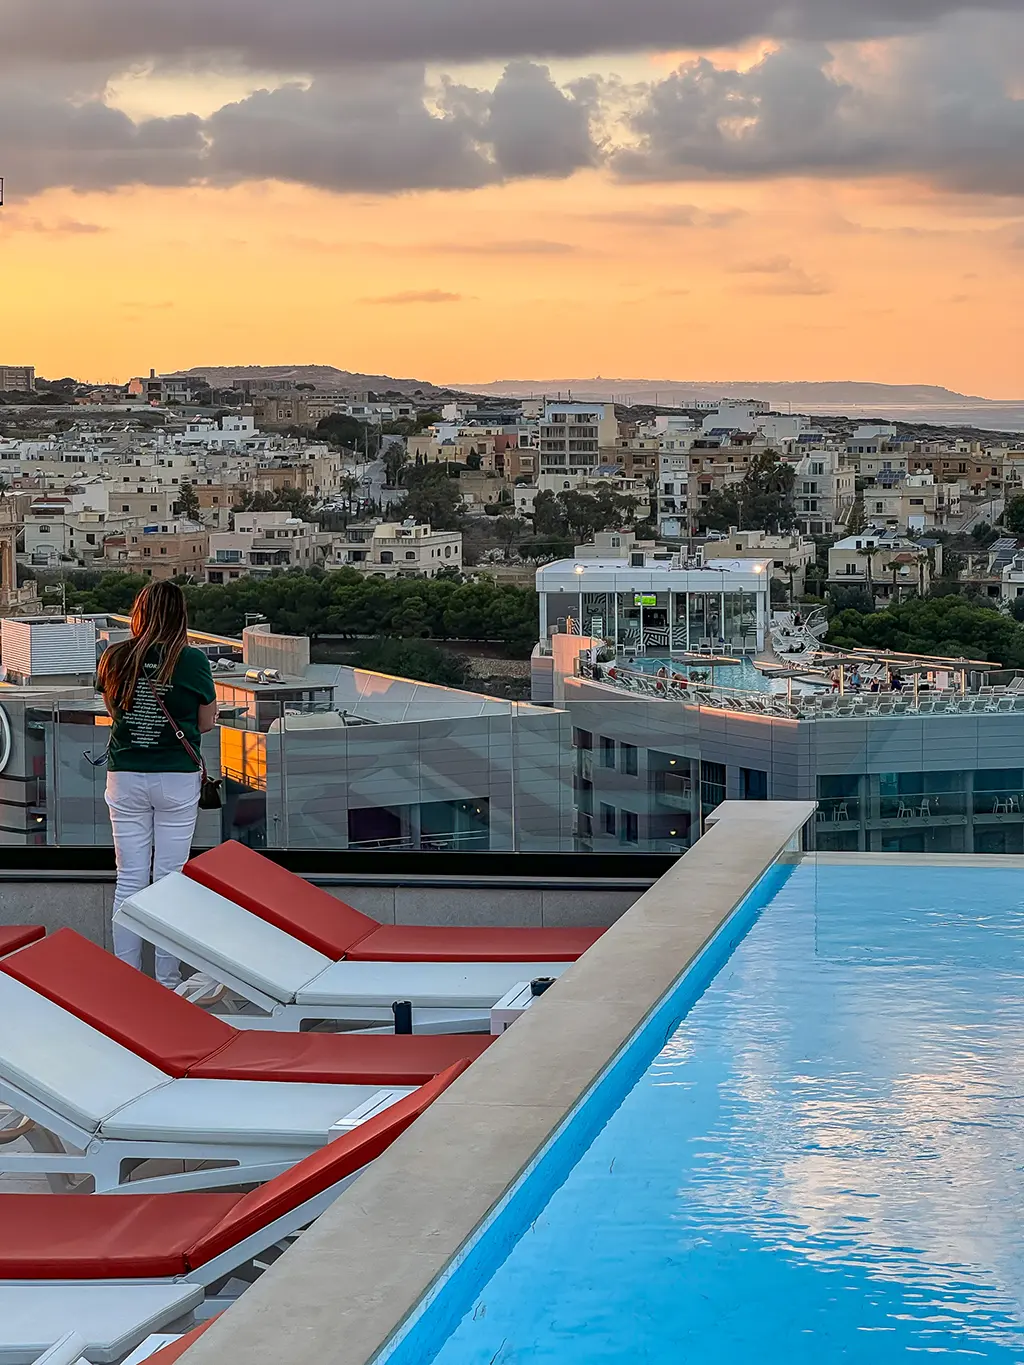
121,1002
60,1061
316,1173
68,1351
212,933
281,898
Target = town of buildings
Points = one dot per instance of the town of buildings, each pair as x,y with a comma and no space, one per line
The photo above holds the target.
647,704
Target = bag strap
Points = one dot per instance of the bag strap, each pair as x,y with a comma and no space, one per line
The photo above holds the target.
179,733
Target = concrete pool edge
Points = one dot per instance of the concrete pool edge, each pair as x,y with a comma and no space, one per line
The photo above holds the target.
355,1278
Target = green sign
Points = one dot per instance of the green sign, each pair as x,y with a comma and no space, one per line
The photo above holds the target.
645,599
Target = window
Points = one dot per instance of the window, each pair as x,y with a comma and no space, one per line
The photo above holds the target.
152,507
608,817
917,502
125,507
447,552
607,752
629,827
45,530
582,739
712,786
163,549
754,784
629,759
410,554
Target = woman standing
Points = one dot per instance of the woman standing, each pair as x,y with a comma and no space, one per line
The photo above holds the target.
153,776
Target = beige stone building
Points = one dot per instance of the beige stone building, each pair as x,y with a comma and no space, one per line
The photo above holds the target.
176,549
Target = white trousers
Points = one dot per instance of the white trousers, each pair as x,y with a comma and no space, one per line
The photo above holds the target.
153,816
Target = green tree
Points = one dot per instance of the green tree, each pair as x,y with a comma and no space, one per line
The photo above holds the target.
290,500
1013,515
431,497
396,457
188,501
414,659
508,530
948,626
474,461
338,429
761,501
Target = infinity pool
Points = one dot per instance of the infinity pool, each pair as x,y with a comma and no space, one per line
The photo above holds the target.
823,1164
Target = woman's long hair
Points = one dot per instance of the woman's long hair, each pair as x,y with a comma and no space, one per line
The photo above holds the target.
159,620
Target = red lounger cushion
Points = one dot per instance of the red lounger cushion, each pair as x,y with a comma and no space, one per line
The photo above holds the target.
124,1004
144,1236
446,943
281,898
100,1236
318,1172
176,1349
14,936
339,1058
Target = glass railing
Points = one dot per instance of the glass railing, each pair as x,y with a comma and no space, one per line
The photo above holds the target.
399,769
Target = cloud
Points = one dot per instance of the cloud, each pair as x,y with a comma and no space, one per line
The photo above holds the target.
418,296
944,108
660,216
59,227
322,34
378,132
779,275
529,246
769,265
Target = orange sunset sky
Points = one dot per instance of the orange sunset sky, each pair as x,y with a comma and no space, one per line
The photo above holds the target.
817,204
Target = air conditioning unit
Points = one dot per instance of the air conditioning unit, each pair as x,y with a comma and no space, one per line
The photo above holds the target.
637,559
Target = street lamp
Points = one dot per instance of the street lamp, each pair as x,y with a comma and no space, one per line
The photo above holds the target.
580,571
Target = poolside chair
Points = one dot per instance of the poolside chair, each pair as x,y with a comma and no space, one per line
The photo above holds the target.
15,936
101,1109
293,983
178,1248
184,1040
110,1319
338,931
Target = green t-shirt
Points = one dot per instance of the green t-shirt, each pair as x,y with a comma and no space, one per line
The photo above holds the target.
141,741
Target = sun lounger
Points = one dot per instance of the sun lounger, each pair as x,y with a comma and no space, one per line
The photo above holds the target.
293,983
111,1319
15,936
184,1040
105,1106
316,918
184,1247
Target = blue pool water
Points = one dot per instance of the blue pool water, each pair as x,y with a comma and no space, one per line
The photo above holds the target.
744,677
823,1164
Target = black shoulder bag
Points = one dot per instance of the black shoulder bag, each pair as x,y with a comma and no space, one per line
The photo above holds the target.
209,789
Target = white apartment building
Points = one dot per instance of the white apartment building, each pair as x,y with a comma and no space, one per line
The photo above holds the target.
734,417
17,379
673,494
790,556
889,566
397,550
231,433
572,435
824,493
260,543
1012,579
915,503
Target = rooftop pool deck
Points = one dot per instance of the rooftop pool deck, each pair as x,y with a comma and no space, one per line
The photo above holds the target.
775,1114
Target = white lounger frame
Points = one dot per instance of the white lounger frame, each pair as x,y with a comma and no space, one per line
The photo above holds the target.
160,910
113,1319
103,1157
